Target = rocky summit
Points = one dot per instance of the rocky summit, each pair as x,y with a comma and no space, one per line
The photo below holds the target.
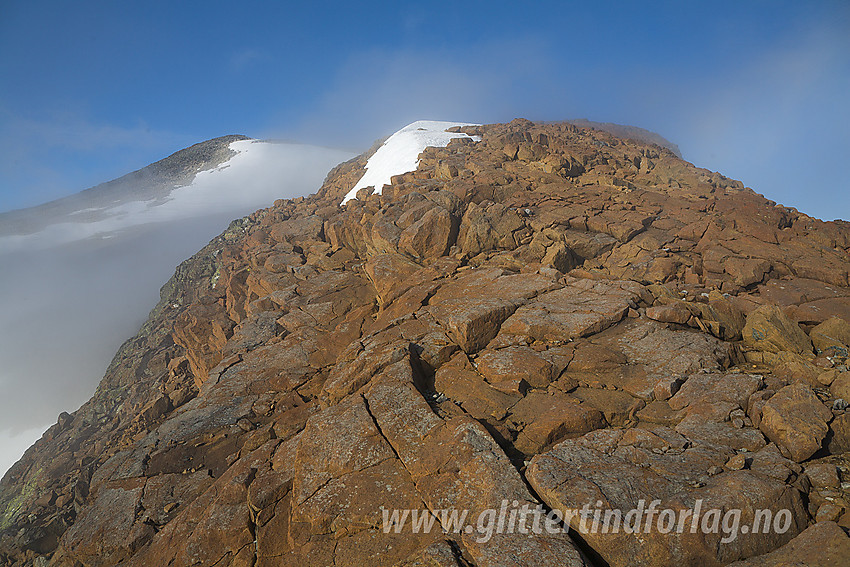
539,317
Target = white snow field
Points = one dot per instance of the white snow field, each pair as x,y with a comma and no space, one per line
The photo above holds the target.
72,293
400,153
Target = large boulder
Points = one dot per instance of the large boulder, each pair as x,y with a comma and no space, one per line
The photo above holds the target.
389,272
428,237
796,420
832,337
516,363
545,418
673,313
840,387
473,307
746,271
769,329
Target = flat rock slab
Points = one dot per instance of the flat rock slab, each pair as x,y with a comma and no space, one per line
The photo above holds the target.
618,470
582,308
634,355
473,307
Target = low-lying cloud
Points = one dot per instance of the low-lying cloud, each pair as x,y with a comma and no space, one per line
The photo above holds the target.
67,304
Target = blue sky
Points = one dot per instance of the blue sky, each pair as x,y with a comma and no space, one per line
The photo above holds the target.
92,90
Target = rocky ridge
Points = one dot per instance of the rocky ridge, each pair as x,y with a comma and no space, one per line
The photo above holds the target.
552,315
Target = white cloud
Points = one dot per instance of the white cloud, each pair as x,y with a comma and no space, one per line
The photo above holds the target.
376,92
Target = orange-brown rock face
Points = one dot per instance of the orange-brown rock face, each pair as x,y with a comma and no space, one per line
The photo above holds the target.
547,318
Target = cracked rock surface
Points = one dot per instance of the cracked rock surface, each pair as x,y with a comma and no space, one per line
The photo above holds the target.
550,317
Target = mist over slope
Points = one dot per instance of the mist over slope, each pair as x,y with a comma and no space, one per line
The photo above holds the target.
81,273
150,184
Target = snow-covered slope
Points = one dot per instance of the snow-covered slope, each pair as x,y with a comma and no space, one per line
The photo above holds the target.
78,277
400,153
255,176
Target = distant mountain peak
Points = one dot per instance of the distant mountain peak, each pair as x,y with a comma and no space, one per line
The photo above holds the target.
154,181
221,175
197,157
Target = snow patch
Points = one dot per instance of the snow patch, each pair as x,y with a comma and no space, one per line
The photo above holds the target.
400,153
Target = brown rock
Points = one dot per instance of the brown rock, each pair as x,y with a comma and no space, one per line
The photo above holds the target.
474,307
796,420
428,237
666,388
839,439
673,313
823,475
735,389
736,463
456,464
792,368
64,420
560,257
618,407
389,272
769,329
840,387
620,468
166,492
516,363
664,353
459,381
755,404
107,530
727,314
659,413
832,337
746,271
359,363
814,312
545,418
707,423
828,513
828,377
583,308
488,226
822,545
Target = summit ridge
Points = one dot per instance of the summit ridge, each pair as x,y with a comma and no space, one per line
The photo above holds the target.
540,314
